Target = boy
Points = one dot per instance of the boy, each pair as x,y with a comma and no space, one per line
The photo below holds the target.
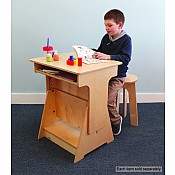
115,45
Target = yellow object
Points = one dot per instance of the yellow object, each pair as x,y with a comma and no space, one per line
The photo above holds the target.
75,61
48,57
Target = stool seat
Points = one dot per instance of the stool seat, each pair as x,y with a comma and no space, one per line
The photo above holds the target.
130,78
130,87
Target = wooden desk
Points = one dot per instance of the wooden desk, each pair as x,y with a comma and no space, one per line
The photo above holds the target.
75,114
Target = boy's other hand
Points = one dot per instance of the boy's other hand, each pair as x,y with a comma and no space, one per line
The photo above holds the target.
101,56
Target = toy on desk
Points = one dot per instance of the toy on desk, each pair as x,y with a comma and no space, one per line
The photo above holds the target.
55,55
79,61
49,57
70,61
71,58
74,61
48,49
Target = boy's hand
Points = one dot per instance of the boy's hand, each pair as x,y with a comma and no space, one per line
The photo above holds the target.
102,56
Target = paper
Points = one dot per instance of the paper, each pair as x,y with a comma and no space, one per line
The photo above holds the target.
86,54
83,51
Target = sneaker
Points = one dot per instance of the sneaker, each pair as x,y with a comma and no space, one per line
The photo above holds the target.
116,129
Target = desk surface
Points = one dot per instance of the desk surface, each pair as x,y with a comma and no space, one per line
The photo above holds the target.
61,64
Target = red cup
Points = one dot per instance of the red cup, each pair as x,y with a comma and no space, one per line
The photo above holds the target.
79,61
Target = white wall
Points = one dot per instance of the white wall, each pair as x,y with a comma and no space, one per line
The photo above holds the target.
69,22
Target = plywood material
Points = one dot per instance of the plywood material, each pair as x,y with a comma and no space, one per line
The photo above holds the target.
65,131
70,108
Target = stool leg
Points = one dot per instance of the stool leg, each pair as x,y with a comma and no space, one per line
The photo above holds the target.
124,103
131,88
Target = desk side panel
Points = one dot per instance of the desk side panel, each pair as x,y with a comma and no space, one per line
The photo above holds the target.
97,81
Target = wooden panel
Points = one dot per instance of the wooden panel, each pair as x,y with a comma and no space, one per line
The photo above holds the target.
81,92
97,82
49,112
70,108
65,131
89,142
60,142
57,77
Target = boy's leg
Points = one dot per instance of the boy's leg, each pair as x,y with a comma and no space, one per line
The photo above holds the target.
115,84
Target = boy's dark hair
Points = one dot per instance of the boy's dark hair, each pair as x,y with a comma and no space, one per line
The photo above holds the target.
115,14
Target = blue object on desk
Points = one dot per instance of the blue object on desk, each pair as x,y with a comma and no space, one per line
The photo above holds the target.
71,58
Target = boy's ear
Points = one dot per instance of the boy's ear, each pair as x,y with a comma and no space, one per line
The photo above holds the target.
120,24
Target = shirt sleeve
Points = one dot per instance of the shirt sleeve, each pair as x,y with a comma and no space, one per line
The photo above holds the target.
125,53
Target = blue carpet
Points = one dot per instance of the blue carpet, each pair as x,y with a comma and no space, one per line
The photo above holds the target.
135,146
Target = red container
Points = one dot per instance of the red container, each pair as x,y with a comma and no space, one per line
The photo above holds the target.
70,62
79,61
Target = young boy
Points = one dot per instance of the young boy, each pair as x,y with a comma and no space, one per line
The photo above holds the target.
115,45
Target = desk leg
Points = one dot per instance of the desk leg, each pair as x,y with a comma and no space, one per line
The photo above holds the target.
89,142
49,112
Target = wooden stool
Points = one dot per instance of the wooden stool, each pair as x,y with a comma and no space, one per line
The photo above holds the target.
130,86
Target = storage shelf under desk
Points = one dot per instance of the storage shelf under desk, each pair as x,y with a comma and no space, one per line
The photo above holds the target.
59,77
64,134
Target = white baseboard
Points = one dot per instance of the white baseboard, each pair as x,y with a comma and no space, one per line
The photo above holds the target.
39,98
28,98
150,97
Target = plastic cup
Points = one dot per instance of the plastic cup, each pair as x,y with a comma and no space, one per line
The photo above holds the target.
49,57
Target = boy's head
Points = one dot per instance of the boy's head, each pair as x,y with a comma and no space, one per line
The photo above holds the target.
116,15
114,20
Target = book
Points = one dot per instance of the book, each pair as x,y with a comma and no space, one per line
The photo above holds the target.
83,51
61,74
86,54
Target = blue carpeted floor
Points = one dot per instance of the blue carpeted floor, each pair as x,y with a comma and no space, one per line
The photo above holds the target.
135,146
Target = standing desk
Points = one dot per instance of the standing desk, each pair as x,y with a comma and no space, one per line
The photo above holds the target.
75,114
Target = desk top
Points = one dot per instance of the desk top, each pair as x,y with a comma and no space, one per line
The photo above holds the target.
61,64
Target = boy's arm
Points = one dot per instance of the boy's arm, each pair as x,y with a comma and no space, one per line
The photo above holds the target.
125,53
121,53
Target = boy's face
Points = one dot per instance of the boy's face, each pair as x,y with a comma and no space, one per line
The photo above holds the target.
112,28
